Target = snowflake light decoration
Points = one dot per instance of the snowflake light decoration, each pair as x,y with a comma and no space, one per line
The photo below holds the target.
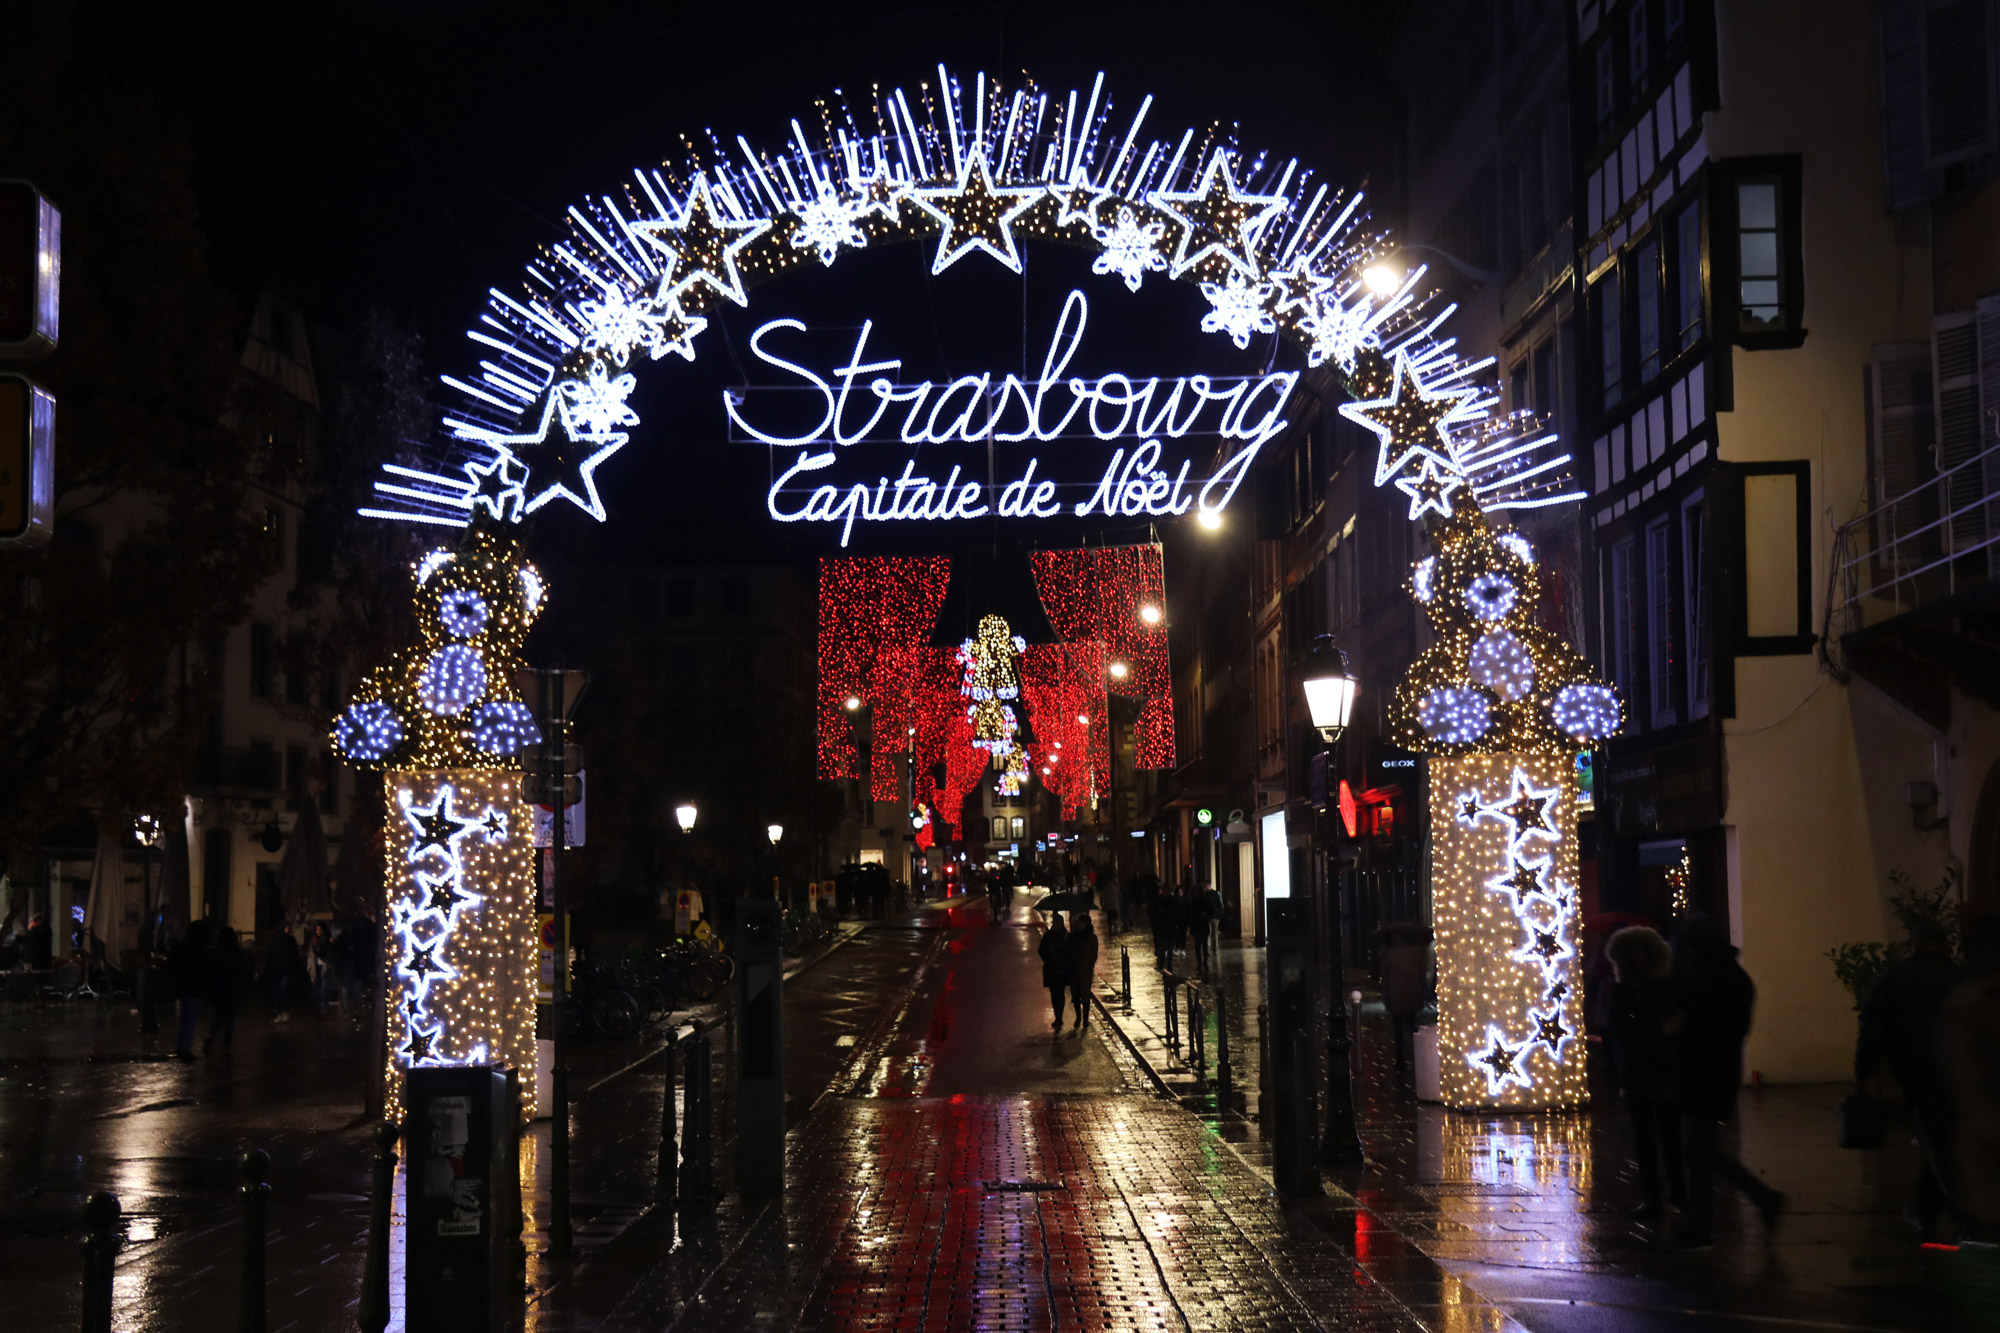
828,222
1239,308
1131,248
597,401
617,325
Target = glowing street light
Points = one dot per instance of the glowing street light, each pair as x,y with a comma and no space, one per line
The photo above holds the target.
1383,277
1119,670
853,702
1330,689
1211,518
684,816
774,832
1151,614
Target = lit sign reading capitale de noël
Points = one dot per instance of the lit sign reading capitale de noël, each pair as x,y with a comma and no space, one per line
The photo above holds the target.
1146,467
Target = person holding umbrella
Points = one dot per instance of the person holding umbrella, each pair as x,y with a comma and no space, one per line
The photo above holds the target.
1082,966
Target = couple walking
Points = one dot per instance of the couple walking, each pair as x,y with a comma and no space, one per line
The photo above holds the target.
1069,963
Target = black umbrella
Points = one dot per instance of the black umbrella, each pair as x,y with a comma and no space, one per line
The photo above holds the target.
1071,901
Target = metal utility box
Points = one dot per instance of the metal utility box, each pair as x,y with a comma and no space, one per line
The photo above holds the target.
455,1137
760,1069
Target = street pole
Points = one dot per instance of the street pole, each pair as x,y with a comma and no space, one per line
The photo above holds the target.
1341,1141
561,1236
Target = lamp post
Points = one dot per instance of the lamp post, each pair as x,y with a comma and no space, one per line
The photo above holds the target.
147,830
1385,275
775,832
1330,689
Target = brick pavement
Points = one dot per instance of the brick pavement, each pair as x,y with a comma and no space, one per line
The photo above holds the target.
1530,1210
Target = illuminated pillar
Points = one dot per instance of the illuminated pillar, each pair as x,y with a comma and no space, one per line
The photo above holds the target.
1504,906
459,943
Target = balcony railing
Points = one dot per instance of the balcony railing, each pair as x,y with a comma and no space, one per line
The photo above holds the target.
1935,540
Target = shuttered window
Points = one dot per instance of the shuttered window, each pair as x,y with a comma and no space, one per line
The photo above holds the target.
1902,435
1957,50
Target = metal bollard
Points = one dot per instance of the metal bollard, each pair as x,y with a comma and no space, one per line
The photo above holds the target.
100,1259
697,1153
1223,1077
1173,1013
1263,1051
381,1203
669,1149
256,1217
1197,1037
1125,961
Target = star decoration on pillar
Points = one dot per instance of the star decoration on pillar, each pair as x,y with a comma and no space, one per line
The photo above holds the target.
418,1048
422,962
443,895
1468,809
1077,199
1527,810
497,485
1500,1062
1216,220
436,827
976,215
1429,489
703,243
1412,422
1549,1029
493,825
1559,990
1524,880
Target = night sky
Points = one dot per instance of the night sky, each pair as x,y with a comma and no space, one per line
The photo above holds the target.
416,155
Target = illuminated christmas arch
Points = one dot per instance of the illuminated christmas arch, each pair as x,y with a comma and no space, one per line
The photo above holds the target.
975,173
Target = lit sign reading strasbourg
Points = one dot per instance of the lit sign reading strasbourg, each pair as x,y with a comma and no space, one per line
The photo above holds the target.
1138,437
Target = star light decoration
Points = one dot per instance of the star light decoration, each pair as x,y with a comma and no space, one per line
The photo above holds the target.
976,215
982,170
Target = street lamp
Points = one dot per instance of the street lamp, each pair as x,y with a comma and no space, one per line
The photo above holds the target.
1330,688
774,832
1385,275
684,816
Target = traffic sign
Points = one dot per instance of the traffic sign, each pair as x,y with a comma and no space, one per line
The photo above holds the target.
544,758
27,462
540,789
531,681
30,271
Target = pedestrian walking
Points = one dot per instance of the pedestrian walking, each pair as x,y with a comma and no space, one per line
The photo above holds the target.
281,961
1169,926
1404,960
1899,1027
1112,900
1082,966
222,987
188,962
1716,997
1054,952
1204,914
1643,1033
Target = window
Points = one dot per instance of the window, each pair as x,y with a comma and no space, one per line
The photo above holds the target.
1673,18
263,661
1958,98
329,692
1017,827
1635,32
1607,88
679,597
1546,398
999,828
1687,275
1761,282
1659,626
274,537
1518,393
1646,310
1624,621
1610,344
1694,579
